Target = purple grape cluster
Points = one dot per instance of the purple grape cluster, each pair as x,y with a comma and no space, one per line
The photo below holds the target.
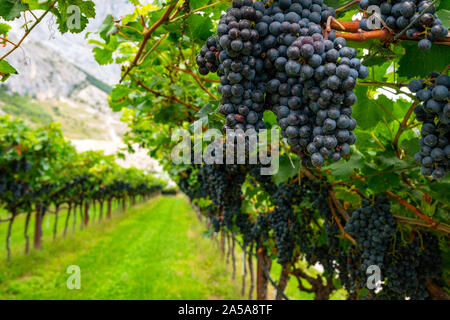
273,56
207,60
398,14
373,227
235,54
434,113
314,111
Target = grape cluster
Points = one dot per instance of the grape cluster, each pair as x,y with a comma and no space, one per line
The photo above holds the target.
222,183
214,181
275,57
282,220
398,14
13,190
410,267
434,113
406,266
314,110
207,60
234,55
373,226
261,229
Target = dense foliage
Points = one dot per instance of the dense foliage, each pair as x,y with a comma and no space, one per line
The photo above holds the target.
40,170
375,205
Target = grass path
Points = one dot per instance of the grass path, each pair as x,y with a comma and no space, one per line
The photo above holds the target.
154,251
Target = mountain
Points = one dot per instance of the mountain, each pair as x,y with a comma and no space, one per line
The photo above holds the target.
60,81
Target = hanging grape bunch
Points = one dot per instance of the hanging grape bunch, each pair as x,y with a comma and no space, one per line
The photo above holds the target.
434,113
234,55
273,56
373,226
398,14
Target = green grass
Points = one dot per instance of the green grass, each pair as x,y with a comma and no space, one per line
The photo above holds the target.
154,251
17,234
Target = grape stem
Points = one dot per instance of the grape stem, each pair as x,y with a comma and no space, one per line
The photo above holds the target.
354,33
383,35
9,41
28,31
398,35
147,34
171,98
333,212
402,128
338,205
197,79
433,224
348,5
419,222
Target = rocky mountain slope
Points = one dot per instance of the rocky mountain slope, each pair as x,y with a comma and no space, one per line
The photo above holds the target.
59,81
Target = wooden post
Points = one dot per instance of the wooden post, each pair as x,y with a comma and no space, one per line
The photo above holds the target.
252,275
8,236
86,213
108,214
244,271
66,225
261,278
284,278
55,226
38,228
222,243
100,213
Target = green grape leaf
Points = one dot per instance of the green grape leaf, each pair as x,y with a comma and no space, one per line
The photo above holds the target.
287,169
444,5
444,15
107,28
199,27
6,70
195,4
103,55
383,182
440,190
73,15
11,9
342,169
346,195
4,29
205,111
418,63
366,112
411,146
270,119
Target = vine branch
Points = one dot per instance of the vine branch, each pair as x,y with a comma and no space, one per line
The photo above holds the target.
171,98
333,212
147,34
197,79
28,31
433,224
